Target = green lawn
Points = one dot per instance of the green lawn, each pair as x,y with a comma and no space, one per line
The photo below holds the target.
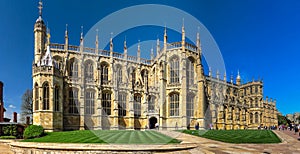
106,136
237,136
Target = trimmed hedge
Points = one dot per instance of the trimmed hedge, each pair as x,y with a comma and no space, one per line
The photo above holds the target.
7,137
33,131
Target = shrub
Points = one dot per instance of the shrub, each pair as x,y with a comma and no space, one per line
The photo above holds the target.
7,137
33,131
10,130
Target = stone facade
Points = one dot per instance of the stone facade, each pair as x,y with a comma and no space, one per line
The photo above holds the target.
75,87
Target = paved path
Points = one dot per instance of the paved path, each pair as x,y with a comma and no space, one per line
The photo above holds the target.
4,147
289,145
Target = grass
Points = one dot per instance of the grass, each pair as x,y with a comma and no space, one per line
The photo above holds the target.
237,136
7,137
106,137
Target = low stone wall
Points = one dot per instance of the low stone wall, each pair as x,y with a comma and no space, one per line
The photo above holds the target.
64,148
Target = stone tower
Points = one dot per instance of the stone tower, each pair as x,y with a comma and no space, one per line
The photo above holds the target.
47,81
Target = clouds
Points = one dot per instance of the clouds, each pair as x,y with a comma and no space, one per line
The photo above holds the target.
12,106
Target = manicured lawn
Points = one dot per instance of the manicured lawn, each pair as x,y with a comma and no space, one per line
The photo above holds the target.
106,136
237,136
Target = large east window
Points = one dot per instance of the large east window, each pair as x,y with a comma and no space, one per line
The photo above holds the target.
174,104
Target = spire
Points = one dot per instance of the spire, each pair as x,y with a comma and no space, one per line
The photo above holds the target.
97,41
238,76
40,8
139,52
225,77
111,45
165,39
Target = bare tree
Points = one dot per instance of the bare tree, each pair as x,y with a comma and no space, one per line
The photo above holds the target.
26,107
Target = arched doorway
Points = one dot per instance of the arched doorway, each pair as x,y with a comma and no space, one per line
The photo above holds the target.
152,122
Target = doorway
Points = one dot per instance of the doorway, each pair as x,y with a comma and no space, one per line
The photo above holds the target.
152,122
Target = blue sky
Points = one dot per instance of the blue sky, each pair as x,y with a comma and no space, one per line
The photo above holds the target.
260,38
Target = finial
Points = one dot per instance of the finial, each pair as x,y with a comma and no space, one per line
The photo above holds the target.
231,78
209,73
165,32
182,22
238,76
225,77
111,42
81,35
40,7
125,46
48,36
218,74
152,54
139,45
66,32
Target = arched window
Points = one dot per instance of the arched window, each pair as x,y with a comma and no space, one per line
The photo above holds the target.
190,71
104,74
174,70
36,93
46,96
122,104
251,118
106,103
73,101
151,104
174,104
56,98
119,74
256,102
137,105
89,72
190,106
133,75
74,69
90,102
256,117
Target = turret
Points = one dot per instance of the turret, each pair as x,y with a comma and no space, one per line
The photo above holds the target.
39,36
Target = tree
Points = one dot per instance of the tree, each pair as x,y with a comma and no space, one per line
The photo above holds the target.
282,120
26,108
